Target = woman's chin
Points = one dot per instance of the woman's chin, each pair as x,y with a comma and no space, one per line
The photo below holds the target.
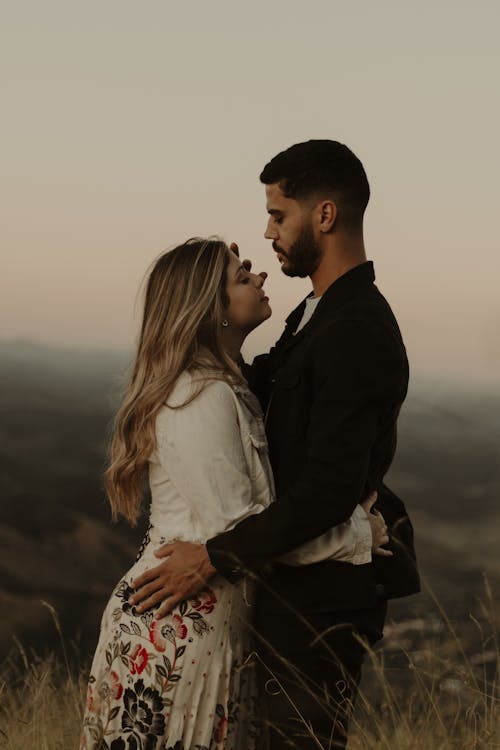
268,311
264,315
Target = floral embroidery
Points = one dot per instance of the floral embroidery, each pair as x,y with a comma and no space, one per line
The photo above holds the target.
90,699
179,627
151,650
156,636
118,744
138,659
116,686
123,591
138,665
142,713
205,602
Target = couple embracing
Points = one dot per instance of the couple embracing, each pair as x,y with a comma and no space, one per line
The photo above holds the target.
273,543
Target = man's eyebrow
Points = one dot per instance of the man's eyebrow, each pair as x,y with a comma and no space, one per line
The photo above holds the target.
274,211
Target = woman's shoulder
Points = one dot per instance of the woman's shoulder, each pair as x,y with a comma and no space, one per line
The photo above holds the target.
198,387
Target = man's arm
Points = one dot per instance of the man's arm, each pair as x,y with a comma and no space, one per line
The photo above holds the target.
357,369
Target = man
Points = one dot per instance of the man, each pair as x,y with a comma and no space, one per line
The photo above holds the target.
331,388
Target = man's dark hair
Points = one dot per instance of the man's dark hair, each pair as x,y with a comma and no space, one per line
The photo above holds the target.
322,168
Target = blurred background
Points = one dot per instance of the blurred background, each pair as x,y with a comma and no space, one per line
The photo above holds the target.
128,127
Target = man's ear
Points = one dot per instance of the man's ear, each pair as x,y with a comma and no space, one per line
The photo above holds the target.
327,216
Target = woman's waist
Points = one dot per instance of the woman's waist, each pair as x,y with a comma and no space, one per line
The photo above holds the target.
155,536
165,527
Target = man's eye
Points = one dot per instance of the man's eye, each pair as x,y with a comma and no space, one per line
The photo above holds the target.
278,219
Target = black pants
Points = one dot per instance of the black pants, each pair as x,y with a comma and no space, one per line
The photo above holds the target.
309,672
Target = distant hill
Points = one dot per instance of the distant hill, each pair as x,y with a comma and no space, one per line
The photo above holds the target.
56,540
448,470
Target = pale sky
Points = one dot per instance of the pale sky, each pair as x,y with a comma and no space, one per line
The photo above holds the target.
130,126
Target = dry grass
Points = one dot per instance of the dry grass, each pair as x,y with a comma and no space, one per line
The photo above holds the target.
439,691
436,689
40,707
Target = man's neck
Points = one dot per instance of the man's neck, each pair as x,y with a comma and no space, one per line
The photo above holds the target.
336,261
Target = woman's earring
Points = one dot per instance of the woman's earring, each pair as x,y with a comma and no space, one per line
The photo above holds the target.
225,323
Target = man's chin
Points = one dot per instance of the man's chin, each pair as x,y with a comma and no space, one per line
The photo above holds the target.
291,271
285,266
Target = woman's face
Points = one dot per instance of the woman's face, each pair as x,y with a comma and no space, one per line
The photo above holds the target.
248,303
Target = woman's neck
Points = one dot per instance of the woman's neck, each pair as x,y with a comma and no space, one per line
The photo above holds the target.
232,342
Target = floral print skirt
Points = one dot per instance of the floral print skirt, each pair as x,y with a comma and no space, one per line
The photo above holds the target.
185,682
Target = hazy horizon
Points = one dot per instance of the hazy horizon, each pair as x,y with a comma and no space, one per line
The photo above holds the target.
130,128
454,382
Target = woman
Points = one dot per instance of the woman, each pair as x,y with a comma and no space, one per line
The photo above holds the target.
190,422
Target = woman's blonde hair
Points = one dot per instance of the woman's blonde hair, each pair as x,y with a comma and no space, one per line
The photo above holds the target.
184,306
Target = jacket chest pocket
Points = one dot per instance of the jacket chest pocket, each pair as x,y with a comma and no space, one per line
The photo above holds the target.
289,405
258,462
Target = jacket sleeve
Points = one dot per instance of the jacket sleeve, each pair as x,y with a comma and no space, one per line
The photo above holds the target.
349,542
356,369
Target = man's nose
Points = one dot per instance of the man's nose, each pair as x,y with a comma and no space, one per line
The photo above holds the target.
271,232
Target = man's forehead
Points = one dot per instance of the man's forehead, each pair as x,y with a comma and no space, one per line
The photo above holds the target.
275,199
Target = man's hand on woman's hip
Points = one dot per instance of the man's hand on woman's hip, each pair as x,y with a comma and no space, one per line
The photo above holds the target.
184,572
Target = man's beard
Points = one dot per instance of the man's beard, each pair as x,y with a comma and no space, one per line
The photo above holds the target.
304,255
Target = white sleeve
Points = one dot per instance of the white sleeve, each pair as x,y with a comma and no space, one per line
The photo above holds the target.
349,542
200,449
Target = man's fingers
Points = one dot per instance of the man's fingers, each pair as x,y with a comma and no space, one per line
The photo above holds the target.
383,552
165,550
168,605
369,502
145,591
156,598
145,577
234,248
247,264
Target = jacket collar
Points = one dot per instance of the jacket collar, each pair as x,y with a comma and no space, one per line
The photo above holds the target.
337,294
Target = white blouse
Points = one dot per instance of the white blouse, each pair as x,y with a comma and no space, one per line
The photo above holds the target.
211,470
